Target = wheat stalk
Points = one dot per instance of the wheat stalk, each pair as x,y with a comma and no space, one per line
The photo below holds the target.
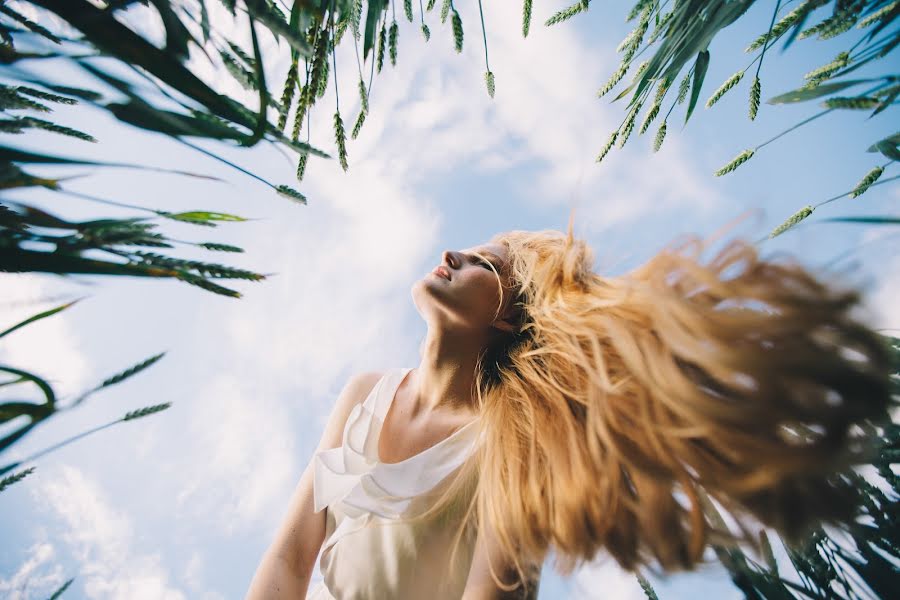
793,220
568,13
609,144
223,247
640,71
300,113
526,17
755,92
683,87
660,136
363,96
489,79
323,78
651,114
119,377
660,26
661,90
11,479
45,95
616,77
839,22
825,71
457,31
734,164
445,10
636,9
407,9
289,192
877,15
393,35
148,410
358,125
341,139
48,126
780,27
10,99
729,83
858,102
426,32
287,96
629,124
645,585
381,39
356,17
870,178
301,166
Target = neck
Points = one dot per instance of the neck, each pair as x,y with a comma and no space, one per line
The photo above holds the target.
445,376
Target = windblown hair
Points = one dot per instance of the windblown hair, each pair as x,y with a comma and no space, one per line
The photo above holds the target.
623,403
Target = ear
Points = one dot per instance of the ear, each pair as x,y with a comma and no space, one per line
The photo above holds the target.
508,322
505,325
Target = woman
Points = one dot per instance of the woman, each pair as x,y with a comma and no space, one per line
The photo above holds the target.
554,407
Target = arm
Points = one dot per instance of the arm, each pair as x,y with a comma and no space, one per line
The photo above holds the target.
286,567
481,586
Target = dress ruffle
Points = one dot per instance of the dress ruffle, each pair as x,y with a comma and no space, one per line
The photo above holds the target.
352,480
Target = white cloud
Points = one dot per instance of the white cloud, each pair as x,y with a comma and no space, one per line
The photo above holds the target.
26,581
242,455
49,347
601,579
193,576
101,539
882,300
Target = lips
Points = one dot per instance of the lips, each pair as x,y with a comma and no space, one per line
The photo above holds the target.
442,271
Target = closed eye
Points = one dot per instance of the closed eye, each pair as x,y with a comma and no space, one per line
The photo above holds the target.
482,262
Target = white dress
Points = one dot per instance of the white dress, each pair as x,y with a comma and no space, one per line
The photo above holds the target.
366,555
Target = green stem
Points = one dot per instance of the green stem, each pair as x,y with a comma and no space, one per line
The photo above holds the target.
766,42
816,116
879,182
227,162
483,35
64,442
337,100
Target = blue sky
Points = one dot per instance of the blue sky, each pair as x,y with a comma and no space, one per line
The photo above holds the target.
183,504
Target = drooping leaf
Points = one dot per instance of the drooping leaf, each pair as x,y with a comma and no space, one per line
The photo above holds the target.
802,94
700,67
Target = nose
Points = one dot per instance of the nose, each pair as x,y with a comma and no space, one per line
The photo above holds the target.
449,257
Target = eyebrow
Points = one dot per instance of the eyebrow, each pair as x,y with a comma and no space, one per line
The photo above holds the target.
497,259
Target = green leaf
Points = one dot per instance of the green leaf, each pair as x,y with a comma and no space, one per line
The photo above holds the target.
889,99
177,35
204,20
700,67
874,220
201,215
274,21
801,94
892,139
39,316
889,149
373,13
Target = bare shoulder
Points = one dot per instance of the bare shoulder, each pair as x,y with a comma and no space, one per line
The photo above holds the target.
360,384
354,392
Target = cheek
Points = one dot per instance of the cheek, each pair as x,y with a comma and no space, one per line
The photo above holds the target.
483,295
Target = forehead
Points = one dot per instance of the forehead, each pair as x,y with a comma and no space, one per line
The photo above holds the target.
498,250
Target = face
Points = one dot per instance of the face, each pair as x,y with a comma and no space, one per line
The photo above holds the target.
464,292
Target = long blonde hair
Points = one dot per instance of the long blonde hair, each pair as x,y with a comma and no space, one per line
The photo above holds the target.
621,403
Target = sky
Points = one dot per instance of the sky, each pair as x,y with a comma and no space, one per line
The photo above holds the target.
183,504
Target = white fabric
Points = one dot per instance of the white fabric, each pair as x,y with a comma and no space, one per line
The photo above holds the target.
365,554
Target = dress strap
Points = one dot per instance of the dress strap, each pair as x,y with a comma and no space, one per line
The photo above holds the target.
387,389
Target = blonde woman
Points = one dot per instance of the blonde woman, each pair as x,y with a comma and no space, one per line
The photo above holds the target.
556,408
